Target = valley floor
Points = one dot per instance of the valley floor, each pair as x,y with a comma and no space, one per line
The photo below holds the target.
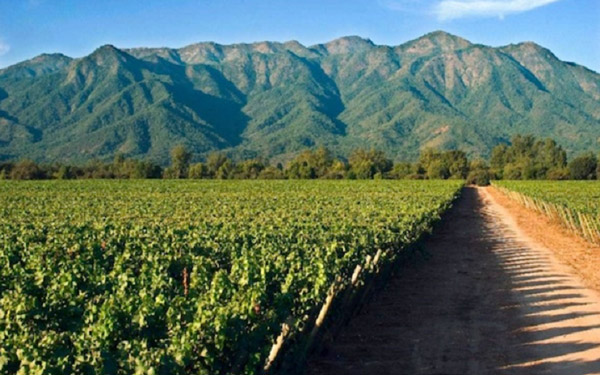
500,292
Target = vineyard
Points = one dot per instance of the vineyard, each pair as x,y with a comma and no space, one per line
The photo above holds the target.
574,204
195,277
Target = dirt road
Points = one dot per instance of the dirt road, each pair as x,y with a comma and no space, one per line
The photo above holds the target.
488,300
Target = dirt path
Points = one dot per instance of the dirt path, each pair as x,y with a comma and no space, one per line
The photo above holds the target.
489,300
581,256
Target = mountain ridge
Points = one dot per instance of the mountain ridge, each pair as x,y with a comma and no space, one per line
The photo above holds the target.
273,99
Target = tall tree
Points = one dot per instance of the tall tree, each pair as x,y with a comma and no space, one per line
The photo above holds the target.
214,162
365,164
584,167
310,164
180,161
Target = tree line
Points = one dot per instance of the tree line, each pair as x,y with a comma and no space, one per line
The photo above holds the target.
525,158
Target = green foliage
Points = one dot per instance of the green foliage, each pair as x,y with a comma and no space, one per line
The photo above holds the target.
573,194
498,159
345,95
528,158
198,170
63,173
185,277
568,202
479,173
26,170
438,170
271,173
365,164
336,171
135,169
443,164
583,167
249,169
480,177
180,161
225,171
558,173
310,164
214,162
401,170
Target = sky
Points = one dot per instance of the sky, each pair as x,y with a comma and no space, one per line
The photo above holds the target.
570,28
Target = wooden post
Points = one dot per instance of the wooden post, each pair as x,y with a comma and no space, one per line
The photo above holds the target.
584,228
355,275
377,256
285,329
323,312
369,284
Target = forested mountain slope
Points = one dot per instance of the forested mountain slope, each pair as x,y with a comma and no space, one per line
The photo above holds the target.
274,99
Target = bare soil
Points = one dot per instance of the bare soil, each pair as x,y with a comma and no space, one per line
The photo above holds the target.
582,256
486,299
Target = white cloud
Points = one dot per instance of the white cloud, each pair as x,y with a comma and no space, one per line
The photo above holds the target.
4,48
451,9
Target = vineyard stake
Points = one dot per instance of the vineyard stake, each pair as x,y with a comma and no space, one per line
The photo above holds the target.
285,329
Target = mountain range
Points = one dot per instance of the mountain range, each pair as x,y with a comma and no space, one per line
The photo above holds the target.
274,99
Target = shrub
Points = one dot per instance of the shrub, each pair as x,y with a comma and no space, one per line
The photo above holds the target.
271,173
583,167
26,170
479,177
198,170
558,174
438,170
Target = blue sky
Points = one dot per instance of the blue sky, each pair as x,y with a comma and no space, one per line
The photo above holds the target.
570,28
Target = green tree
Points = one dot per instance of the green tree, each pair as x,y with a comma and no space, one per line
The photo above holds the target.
119,167
310,164
322,161
365,164
511,171
336,171
558,173
457,163
521,147
63,173
443,164
226,170
498,158
198,170
271,173
426,157
438,170
26,170
180,161
214,161
97,169
528,158
479,173
249,169
583,167
550,154
401,170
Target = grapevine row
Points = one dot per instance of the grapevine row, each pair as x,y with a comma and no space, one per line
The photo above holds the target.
193,277
571,203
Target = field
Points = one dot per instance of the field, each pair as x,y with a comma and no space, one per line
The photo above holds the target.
575,204
182,277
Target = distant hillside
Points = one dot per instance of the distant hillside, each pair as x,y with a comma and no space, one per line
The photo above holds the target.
273,99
